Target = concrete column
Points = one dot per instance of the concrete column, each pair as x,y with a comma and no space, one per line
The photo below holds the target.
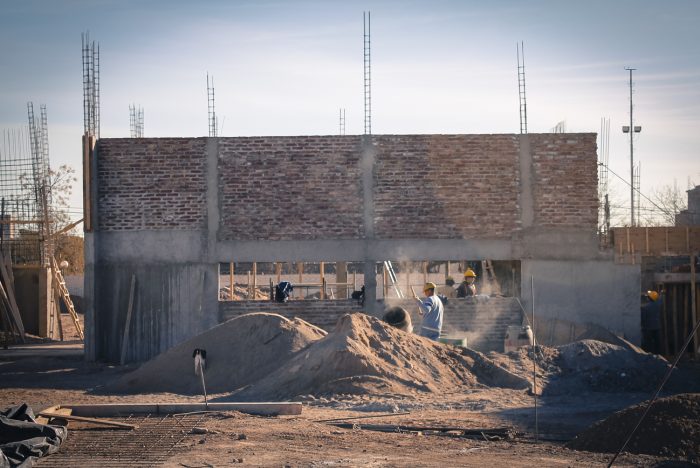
212,197
369,153
44,306
527,199
341,276
370,273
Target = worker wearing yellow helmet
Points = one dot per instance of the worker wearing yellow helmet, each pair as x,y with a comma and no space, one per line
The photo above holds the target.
467,287
651,322
432,310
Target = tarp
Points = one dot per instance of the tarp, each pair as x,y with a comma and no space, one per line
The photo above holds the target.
23,440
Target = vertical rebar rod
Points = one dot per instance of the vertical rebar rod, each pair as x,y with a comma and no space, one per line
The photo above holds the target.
520,49
366,25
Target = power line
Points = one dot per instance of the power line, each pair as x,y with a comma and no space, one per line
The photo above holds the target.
665,211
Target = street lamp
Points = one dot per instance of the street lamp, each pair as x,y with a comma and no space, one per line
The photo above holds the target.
635,129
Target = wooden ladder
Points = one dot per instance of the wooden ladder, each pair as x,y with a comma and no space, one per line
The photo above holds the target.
60,285
490,275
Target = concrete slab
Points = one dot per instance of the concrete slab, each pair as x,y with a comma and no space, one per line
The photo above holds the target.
51,349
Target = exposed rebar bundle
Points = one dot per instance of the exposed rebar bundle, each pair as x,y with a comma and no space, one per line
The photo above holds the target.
521,87
25,192
91,86
136,121
367,72
212,120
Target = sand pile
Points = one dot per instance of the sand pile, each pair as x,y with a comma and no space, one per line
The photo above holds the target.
672,429
364,355
239,352
587,365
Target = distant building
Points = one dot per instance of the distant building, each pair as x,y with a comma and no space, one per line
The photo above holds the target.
690,216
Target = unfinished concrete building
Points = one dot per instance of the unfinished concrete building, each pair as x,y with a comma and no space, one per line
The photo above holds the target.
163,214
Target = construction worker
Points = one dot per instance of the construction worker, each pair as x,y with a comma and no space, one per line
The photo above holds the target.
448,289
651,322
432,310
467,287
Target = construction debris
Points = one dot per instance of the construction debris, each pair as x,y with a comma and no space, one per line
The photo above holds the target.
23,439
491,434
99,422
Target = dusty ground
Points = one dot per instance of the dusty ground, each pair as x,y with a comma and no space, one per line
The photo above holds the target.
58,375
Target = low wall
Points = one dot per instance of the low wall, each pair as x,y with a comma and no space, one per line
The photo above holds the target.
482,321
323,314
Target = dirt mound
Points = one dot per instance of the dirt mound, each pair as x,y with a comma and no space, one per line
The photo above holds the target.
364,355
239,352
671,429
605,367
587,365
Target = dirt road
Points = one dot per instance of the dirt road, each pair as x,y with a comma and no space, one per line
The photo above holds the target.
235,439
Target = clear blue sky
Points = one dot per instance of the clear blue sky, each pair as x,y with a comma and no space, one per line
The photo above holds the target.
285,67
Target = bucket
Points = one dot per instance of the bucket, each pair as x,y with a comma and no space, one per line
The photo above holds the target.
517,337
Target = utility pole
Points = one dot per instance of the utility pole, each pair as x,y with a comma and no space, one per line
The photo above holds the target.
631,130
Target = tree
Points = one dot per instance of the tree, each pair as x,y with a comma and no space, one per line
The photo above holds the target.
60,186
664,203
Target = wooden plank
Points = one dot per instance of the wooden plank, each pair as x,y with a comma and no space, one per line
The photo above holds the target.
694,304
664,324
646,239
254,295
230,280
322,279
673,277
127,325
117,409
102,422
10,294
13,312
674,318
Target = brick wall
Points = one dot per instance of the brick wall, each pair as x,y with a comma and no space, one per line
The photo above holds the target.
565,180
323,314
446,186
285,188
483,323
154,183
280,188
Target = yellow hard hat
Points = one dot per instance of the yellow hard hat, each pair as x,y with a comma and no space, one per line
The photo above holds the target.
469,273
429,286
653,295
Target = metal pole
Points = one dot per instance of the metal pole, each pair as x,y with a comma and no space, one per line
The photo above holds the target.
534,355
632,223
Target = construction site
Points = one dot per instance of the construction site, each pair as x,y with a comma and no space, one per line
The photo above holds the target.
393,300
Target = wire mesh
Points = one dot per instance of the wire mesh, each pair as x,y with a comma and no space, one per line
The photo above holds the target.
21,217
156,439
